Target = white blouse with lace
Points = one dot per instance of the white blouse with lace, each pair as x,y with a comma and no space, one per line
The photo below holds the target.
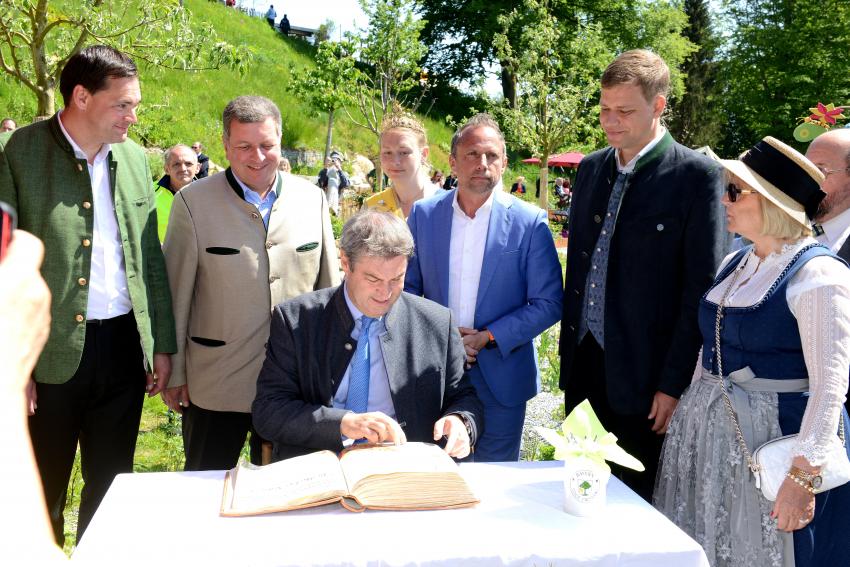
818,296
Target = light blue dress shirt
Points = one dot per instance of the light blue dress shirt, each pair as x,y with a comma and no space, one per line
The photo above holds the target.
380,398
264,206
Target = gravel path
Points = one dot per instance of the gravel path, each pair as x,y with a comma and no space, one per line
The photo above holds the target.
539,411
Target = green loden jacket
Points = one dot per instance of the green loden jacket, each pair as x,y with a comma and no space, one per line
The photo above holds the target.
50,189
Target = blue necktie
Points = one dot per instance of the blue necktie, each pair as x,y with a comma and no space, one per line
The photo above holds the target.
358,377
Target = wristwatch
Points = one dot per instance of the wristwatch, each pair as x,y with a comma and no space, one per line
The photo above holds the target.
466,423
810,481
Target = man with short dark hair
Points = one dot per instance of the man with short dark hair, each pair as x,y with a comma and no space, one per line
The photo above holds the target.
181,167
365,361
238,243
490,258
645,240
81,186
7,125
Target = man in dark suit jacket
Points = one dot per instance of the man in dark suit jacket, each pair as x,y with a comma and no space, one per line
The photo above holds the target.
831,153
645,240
310,393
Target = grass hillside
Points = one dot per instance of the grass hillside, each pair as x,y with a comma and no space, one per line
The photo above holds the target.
181,106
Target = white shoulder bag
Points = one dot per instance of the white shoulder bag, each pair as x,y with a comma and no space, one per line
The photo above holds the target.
771,461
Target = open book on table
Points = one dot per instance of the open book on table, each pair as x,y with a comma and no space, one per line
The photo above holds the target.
411,476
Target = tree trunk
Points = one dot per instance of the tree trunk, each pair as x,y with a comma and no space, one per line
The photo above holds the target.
543,199
46,102
329,139
379,172
509,84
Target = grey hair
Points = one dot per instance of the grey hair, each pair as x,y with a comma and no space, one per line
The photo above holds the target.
166,157
375,233
478,121
250,109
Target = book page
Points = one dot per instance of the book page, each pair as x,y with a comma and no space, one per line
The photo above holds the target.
413,457
287,484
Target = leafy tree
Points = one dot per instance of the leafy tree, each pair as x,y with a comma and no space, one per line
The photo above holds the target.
460,34
558,66
37,37
695,117
326,86
325,31
557,76
782,57
390,51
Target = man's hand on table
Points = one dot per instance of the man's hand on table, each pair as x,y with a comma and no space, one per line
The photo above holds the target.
375,427
457,439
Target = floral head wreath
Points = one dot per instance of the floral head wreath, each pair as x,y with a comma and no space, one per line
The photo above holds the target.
822,118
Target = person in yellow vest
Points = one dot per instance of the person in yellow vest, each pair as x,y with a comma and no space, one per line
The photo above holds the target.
181,167
404,159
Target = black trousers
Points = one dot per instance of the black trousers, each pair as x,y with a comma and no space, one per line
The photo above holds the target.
212,440
99,407
634,432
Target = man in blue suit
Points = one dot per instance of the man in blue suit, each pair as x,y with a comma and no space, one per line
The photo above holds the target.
491,259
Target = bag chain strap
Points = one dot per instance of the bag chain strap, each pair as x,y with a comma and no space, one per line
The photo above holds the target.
751,463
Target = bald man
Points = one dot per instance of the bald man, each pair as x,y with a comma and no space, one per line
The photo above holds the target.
831,153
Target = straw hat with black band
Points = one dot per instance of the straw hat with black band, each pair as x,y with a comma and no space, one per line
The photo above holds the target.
783,176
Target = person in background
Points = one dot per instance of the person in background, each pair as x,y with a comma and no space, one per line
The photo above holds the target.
830,152
451,182
7,125
112,330
645,241
491,259
284,165
239,242
181,167
776,337
333,167
203,161
284,25
518,186
404,158
437,179
271,15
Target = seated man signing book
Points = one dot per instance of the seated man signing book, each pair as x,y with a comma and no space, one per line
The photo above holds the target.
365,361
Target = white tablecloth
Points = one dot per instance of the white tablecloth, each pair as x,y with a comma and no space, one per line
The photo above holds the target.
166,518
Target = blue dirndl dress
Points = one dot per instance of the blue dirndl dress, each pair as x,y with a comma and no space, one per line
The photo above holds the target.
703,483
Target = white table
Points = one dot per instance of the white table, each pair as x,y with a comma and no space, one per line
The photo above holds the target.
166,518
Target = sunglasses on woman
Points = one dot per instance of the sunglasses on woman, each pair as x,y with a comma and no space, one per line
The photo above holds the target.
732,191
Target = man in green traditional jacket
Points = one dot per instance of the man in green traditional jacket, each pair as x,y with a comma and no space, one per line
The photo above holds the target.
84,189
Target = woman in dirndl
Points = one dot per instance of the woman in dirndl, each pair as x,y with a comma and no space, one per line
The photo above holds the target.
783,336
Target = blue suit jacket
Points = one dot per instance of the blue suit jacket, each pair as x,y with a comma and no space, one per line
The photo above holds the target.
520,292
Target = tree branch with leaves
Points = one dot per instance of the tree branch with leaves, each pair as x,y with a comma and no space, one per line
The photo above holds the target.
37,37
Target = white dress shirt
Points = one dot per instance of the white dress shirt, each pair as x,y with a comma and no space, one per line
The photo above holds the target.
629,167
466,255
108,294
835,231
